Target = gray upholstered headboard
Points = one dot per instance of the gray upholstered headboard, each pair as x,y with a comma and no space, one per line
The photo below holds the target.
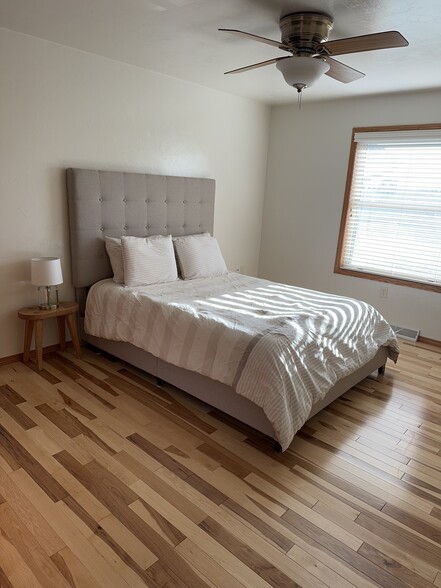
105,203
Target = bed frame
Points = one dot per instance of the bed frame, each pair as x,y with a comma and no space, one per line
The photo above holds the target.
105,203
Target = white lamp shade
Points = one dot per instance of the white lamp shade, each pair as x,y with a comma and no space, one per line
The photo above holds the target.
46,271
302,70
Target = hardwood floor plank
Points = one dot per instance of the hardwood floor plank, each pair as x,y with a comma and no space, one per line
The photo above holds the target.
403,539
29,549
318,569
14,411
14,569
225,482
72,426
376,454
56,436
257,483
8,393
81,494
190,510
436,512
392,489
212,549
103,458
75,406
163,576
60,420
408,559
72,569
393,567
110,551
207,565
55,360
44,373
7,461
122,537
207,489
244,553
364,566
164,433
97,479
32,466
32,518
96,392
160,523
28,384
255,522
159,455
104,574
161,401
427,478
45,442
4,580
230,463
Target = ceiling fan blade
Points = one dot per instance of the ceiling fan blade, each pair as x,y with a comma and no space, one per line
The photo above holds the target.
341,72
385,40
278,44
255,65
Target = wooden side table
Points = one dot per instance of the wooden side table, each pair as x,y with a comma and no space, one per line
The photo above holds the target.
34,317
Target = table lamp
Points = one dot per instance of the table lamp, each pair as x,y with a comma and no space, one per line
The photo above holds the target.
47,275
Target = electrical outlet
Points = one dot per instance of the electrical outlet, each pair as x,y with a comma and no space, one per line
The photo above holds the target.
384,292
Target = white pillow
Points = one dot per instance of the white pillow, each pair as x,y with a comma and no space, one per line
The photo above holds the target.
114,251
149,260
194,236
199,256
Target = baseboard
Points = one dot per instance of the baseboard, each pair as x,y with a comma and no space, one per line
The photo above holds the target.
19,356
428,341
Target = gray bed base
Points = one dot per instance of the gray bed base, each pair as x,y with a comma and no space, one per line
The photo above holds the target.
217,394
105,203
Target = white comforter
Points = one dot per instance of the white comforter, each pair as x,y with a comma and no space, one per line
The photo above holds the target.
280,346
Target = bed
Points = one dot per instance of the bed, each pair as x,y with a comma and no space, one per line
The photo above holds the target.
104,203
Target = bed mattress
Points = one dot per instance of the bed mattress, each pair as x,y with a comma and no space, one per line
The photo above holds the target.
280,346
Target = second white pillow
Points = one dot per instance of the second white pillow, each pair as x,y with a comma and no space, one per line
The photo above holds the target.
199,256
149,260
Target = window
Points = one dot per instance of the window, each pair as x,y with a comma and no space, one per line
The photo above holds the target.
391,221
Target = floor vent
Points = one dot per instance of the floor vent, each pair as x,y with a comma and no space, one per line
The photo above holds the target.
404,333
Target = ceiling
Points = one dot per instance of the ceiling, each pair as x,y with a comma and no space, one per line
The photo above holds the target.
179,38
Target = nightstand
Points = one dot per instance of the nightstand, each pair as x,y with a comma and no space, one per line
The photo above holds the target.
34,318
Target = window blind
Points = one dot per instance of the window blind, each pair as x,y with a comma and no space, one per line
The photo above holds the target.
393,226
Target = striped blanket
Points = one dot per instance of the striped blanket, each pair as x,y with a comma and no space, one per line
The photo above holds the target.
280,346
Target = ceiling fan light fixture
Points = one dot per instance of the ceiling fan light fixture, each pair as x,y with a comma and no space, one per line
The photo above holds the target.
302,72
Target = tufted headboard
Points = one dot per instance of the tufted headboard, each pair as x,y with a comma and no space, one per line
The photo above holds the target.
105,203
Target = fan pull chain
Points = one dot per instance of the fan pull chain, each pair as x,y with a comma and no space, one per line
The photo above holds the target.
299,98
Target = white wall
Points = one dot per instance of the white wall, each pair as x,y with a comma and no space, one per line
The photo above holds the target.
60,107
307,165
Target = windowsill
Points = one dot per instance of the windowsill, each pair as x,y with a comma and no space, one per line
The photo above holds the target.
378,278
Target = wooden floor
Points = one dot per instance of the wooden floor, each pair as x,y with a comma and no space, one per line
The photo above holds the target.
106,480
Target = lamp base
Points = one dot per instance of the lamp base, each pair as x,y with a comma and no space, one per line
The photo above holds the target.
48,297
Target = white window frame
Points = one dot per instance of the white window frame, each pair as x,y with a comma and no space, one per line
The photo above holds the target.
416,134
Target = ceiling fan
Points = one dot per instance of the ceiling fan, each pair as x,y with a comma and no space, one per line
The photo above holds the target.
304,35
